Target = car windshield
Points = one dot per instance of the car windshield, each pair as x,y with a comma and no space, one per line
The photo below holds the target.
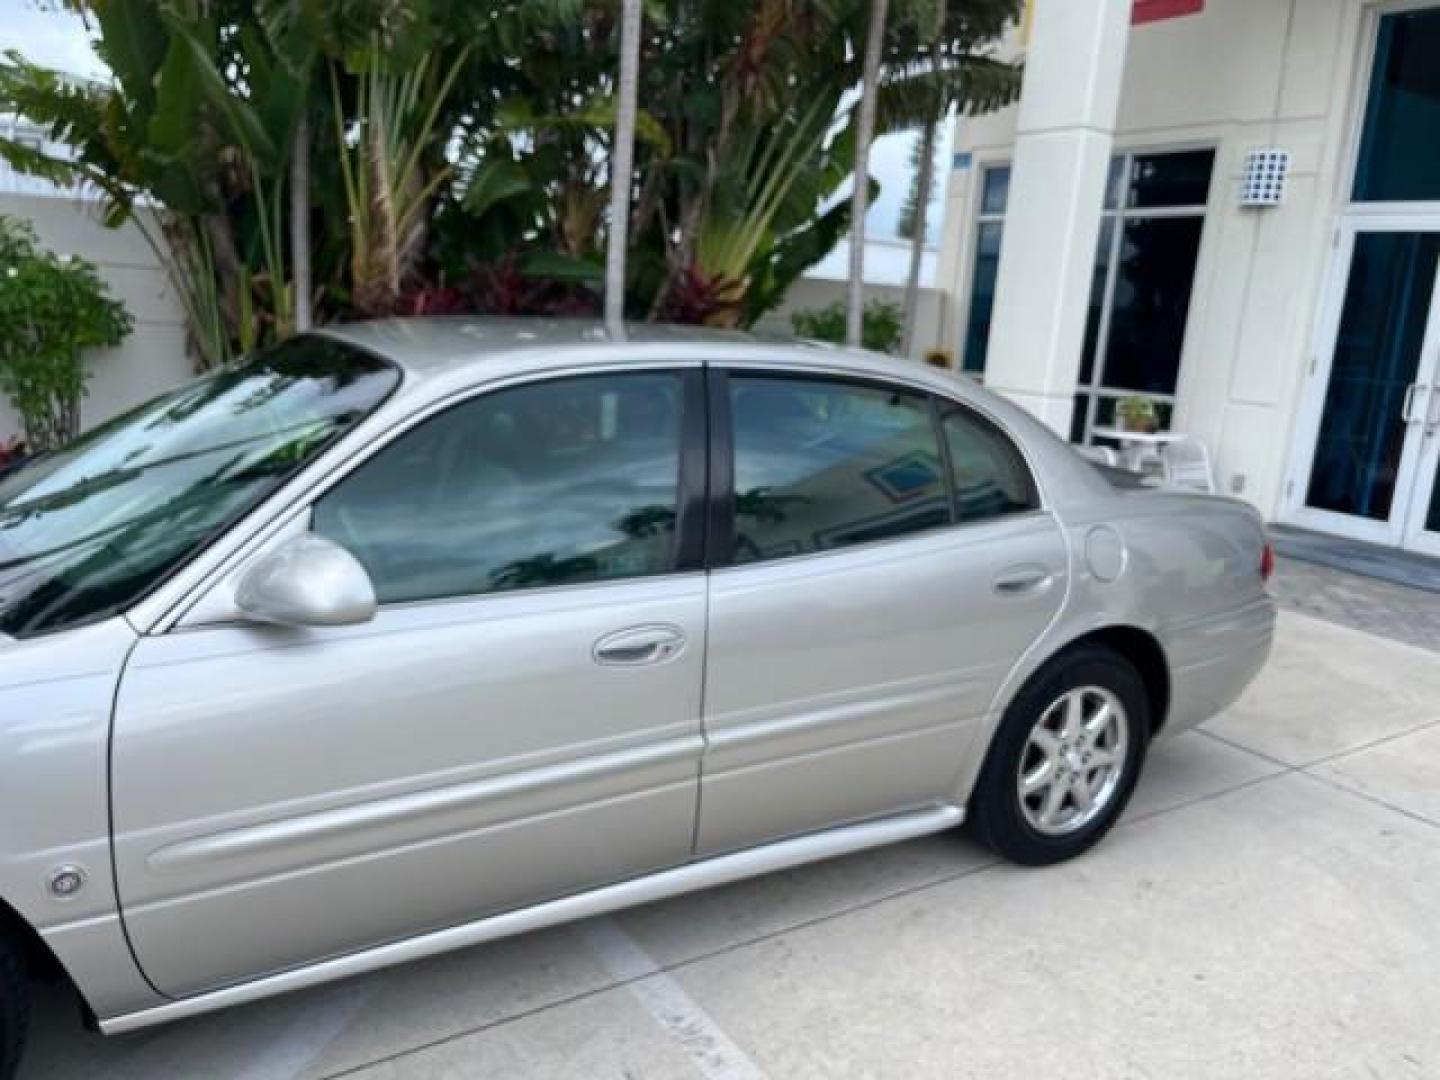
87,530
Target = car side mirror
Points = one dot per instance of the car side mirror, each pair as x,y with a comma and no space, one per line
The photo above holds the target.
307,581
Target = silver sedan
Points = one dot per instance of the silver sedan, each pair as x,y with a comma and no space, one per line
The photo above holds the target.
411,635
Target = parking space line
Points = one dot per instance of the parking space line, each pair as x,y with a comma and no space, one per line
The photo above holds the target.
311,1030
714,1053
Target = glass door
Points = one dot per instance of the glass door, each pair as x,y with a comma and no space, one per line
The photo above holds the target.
1422,532
1369,436
1373,436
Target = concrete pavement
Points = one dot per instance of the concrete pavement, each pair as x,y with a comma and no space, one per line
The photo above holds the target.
1267,908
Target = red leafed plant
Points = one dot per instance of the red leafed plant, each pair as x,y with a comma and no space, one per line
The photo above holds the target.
501,288
504,288
12,452
434,300
696,299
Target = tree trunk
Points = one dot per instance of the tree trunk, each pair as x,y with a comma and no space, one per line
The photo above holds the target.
622,156
859,200
229,273
923,184
377,281
300,225
300,214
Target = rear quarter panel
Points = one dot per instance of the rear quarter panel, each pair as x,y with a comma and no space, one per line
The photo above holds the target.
1185,569
1193,580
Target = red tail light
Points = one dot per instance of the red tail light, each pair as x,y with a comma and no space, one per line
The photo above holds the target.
1267,561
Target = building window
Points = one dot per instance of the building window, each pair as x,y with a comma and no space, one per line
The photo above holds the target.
1399,157
994,192
1140,290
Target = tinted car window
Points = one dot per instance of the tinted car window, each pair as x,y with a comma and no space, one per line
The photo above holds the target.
88,529
566,481
822,465
990,476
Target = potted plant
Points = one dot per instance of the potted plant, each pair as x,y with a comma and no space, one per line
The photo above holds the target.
939,356
1137,413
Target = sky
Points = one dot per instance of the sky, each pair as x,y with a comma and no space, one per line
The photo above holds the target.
53,38
58,39
890,164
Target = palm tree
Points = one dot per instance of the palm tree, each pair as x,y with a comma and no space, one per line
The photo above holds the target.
622,156
300,225
864,135
300,213
924,185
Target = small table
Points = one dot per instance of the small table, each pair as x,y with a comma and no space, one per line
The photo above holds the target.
1137,446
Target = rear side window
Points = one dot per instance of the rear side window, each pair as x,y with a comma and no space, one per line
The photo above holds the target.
991,479
823,464
571,480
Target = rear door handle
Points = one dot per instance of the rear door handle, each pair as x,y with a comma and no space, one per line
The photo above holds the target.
638,645
1024,580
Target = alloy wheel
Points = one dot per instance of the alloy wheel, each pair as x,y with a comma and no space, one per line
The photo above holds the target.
1073,761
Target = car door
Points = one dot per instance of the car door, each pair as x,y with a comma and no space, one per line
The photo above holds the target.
521,719
888,562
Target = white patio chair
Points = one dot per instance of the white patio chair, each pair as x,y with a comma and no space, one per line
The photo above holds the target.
1101,455
1185,463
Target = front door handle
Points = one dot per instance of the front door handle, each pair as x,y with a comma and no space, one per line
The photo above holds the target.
1024,580
638,645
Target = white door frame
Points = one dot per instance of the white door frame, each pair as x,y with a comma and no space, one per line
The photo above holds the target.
1413,483
1407,517
1417,537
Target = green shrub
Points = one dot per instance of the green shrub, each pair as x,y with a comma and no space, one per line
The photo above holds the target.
880,328
52,309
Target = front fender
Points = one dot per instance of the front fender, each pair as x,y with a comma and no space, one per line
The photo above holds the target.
56,697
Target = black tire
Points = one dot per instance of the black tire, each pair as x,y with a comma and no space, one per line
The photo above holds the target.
14,1003
996,815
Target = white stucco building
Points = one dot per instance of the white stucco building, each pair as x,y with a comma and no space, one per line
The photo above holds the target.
1098,243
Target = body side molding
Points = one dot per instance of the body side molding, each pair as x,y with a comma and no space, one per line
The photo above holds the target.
690,877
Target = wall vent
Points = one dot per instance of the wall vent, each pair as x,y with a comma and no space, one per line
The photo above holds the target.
1263,181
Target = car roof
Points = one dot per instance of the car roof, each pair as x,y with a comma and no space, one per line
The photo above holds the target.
440,354
431,346
443,354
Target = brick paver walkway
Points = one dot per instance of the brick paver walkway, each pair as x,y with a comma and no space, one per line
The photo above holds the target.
1393,611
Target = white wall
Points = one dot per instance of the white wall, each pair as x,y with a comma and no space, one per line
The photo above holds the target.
153,358
1243,74
887,262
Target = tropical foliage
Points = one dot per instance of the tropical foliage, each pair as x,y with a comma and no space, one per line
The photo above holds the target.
459,155
53,311
880,330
